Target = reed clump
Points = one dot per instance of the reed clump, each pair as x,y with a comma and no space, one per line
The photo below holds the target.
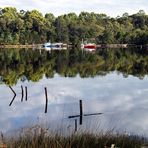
42,138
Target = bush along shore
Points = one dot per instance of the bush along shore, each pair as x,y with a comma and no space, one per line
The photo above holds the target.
27,27
39,46
42,138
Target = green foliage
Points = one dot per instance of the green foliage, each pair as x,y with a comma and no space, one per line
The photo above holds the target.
34,64
32,27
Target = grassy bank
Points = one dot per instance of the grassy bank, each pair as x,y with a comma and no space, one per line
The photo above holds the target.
22,46
41,138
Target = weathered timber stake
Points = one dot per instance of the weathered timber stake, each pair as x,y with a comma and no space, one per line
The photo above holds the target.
13,97
12,90
12,100
22,93
26,92
75,125
74,116
93,114
81,111
46,104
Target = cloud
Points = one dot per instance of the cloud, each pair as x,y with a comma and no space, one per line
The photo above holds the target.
113,95
111,7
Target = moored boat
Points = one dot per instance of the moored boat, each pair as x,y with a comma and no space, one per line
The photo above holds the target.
55,46
88,46
47,46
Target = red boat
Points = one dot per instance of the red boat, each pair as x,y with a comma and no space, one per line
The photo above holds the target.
90,46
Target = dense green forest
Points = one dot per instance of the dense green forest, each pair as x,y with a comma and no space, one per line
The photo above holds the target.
25,27
27,64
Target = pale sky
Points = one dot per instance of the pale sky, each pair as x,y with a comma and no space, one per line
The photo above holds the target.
57,7
123,106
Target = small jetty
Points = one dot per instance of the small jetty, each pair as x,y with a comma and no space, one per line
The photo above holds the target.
112,46
62,46
22,46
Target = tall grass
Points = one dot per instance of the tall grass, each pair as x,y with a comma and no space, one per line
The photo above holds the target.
42,138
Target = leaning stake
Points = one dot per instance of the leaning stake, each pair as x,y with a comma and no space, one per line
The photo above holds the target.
75,125
81,111
26,93
13,96
22,93
12,90
46,104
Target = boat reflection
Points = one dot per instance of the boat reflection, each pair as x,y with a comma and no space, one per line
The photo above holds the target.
90,47
55,46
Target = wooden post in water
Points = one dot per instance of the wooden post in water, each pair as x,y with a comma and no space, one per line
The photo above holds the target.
13,97
26,92
12,100
75,125
12,90
81,111
46,104
22,93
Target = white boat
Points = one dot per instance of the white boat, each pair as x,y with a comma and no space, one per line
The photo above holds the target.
55,46
47,46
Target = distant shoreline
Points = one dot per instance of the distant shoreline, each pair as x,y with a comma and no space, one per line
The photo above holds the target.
22,46
38,46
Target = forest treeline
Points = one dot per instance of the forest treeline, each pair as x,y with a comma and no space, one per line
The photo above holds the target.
32,65
25,27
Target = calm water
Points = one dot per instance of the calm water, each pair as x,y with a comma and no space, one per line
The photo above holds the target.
114,83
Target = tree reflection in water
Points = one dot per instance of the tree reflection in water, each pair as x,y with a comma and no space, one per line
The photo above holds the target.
28,64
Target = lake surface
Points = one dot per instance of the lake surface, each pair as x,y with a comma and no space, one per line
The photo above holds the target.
111,82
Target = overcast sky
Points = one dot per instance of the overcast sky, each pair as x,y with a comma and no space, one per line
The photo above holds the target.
58,7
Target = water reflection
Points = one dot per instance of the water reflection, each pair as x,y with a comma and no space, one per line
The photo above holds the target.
13,96
41,87
123,102
26,94
27,64
81,114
